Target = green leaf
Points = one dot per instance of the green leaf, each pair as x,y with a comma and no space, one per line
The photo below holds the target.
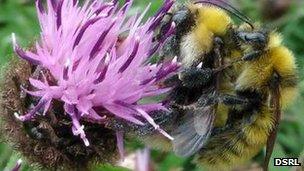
108,167
171,162
277,153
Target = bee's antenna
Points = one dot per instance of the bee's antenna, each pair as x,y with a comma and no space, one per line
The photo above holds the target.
226,6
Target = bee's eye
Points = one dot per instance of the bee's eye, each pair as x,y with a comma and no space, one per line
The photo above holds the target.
256,38
252,37
247,38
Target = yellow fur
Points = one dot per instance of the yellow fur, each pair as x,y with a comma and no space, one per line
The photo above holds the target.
207,26
221,115
275,40
199,41
196,44
203,37
279,59
210,16
246,146
256,74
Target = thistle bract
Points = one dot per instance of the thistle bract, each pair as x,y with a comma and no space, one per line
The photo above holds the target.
98,60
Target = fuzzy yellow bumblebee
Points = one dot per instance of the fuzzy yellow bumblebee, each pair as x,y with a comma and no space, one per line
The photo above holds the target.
266,64
246,134
238,130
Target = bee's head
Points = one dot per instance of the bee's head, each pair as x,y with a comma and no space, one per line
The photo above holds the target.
257,39
180,16
184,19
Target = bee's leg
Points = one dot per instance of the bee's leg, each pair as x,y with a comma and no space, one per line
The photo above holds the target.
218,50
218,44
173,81
232,100
247,57
170,48
162,118
252,55
215,98
226,99
196,77
203,101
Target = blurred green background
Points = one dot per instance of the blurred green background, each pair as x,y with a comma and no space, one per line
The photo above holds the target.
287,16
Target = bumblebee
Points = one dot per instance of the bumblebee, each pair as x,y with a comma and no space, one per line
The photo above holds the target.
267,83
259,86
202,44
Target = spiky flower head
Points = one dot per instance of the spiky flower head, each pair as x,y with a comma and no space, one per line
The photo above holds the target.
98,59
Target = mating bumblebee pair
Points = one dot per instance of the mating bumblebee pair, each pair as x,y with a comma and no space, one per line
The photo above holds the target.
226,101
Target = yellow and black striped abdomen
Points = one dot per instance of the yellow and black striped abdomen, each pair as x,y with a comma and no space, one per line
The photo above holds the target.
239,142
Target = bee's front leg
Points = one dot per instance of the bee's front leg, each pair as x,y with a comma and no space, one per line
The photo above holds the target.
252,55
205,100
172,81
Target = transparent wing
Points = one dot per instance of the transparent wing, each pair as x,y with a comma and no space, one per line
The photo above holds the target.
194,131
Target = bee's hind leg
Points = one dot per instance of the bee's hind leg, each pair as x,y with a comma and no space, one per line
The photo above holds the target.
226,99
215,98
231,100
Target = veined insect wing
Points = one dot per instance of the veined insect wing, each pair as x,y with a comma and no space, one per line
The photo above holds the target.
194,131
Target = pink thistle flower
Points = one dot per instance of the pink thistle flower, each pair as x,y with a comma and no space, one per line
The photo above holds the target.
98,59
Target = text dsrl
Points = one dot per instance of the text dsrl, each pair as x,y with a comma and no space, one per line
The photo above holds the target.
286,162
